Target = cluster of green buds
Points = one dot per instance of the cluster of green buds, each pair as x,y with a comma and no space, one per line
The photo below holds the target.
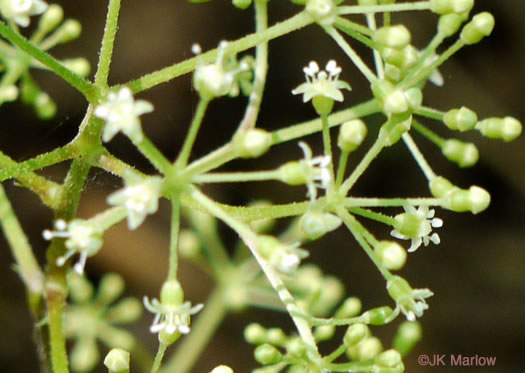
91,317
51,31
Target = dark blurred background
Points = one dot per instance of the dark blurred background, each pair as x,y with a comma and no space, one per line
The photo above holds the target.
477,272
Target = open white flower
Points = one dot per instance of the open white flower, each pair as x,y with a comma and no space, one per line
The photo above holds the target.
416,225
171,314
20,10
322,83
411,302
83,237
139,196
121,113
316,171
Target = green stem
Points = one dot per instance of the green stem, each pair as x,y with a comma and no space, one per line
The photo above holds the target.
429,134
261,68
327,143
363,165
357,231
113,165
108,40
380,69
352,29
401,7
27,265
356,59
343,160
429,50
82,85
431,113
236,177
174,239
193,345
388,220
211,161
418,156
296,22
158,357
154,155
182,159
56,305
390,202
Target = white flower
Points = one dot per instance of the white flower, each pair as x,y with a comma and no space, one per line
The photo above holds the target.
121,113
322,83
409,301
316,171
416,225
140,197
286,258
83,237
20,10
171,318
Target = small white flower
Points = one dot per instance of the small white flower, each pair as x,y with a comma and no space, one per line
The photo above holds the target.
139,196
322,83
121,113
83,237
409,301
20,10
286,258
171,318
416,225
316,171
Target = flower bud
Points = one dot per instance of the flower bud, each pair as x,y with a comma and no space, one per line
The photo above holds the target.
292,173
350,308
79,65
70,30
378,316
393,36
393,130
506,129
451,6
351,135
222,369
475,200
449,24
464,154
267,354
212,81
110,288
408,334
51,18
276,336
323,11
242,4
44,106
314,224
189,244
125,311
255,334
252,143
8,93
324,332
388,359
369,348
414,97
117,361
355,334
391,255
481,25
366,2
296,347
85,355
462,119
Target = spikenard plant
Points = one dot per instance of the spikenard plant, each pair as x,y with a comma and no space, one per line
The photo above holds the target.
265,270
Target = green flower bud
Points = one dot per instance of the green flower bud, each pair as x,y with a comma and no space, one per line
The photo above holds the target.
314,224
378,316
451,6
391,255
276,336
70,30
369,348
222,369
252,143
388,359
117,361
85,355
414,97
255,334
267,245
439,186
408,334
393,73
51,18
395,102
125,311
8,93
296,347
506,129
475,200
242,4
79,65
464,154
355,334
393,130
189,244
110,288
351,135
267,354
44,106
366,2
350,308
462,119
449,24
331,294
393,36
323,11
481,25
324,332
292,173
